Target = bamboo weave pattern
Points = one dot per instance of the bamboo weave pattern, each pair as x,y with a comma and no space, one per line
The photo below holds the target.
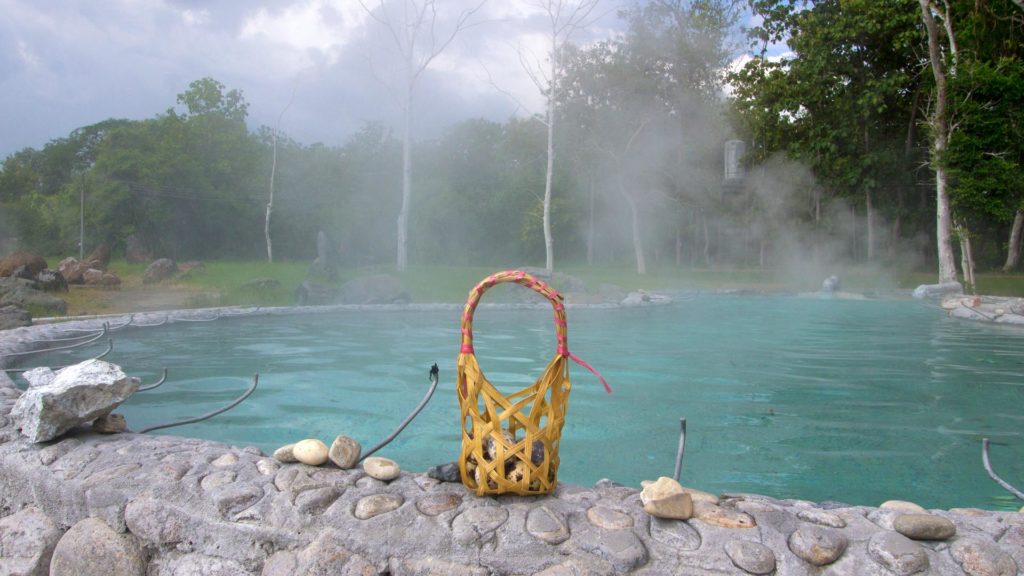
510,443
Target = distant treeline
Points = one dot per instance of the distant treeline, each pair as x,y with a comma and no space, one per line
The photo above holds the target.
836,168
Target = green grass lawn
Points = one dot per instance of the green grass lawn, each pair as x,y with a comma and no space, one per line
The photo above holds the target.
227,283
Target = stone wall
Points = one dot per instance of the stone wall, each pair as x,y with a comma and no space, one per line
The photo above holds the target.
161,505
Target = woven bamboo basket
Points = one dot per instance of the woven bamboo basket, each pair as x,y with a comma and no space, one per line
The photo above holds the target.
510,443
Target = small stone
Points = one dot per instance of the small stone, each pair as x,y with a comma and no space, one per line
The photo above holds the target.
435,504
228,459
897,553
381,468
267,466
674,507
27,539
924,527
752,557
660,488
622,548
110,424
310,451
344,452
285,454
608,518
446,472
722,517
377,504
817,545
979,558
217,479
821,518
546,526
902,506
92,548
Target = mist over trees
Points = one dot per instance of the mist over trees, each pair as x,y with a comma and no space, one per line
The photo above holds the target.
839,133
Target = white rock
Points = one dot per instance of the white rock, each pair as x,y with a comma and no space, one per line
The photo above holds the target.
310,451
77,395
902,506
38,376
661,488
381,468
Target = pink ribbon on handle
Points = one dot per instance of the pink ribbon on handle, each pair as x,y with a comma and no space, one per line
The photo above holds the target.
581,362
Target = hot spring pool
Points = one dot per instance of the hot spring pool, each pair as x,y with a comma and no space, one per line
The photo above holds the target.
820,399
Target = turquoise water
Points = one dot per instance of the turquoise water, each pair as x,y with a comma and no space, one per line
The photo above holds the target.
855,401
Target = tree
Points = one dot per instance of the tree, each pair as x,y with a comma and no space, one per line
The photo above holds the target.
939,122
414,31
564,19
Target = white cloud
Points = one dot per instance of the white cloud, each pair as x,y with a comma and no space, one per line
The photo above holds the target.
313,25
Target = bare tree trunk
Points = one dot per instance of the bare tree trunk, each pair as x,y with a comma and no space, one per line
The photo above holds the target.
590,226
549,251
940,129
270,204
403,213
707,240
679,248
966,257
1013,250
638,246
870,223
764,246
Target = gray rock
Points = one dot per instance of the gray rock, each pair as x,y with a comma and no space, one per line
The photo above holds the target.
897,553
14,317
92,548
285,454
938,290
77,395
51,281
830,284
376,289
199,565
40,376
924,527
821,517
752,557
377,504
344,452
160,270
23,294
817,545
546,526
981,558
52,453
27,540
445,472
430,566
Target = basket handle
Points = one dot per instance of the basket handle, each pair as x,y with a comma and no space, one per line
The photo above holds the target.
523,279
542,288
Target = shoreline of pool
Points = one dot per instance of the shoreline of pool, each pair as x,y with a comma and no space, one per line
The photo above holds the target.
167,505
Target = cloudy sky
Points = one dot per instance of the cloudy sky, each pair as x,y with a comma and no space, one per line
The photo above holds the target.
325,64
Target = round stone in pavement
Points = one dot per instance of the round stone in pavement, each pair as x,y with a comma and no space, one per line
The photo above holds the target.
377,504
546,526
980,558
609,518
896,552
821,517
91,548
434,504
817,545
924,527
752,557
